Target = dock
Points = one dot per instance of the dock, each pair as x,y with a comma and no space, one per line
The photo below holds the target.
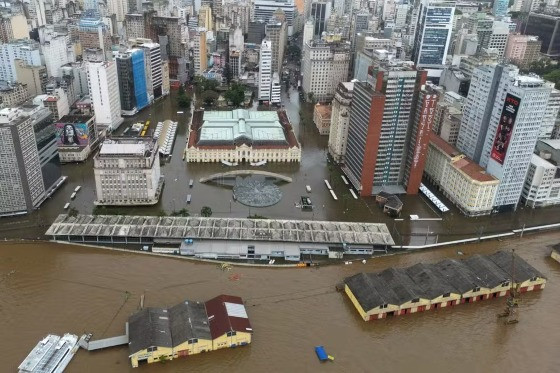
86,343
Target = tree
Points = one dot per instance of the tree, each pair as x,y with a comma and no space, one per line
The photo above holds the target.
294,52
182,212
206,211
184,101
161,213
553,76
310,96
202,84
235,94
72,212
209,97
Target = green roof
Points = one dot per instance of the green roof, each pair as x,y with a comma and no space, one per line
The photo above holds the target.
260,126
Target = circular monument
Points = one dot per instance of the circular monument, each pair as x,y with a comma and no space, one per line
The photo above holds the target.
256,193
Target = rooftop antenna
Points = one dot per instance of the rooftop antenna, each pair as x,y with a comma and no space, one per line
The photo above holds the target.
512,303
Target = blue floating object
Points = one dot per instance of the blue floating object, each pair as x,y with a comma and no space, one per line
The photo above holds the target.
321,353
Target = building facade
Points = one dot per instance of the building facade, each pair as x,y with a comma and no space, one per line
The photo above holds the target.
102,81
127,172
132,81
542,184
325,65
265,71
241,136
322,118
460,179
77,137
340,120
27,51
12,95
523,50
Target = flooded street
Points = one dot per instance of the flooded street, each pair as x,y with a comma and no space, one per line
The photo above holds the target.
57,288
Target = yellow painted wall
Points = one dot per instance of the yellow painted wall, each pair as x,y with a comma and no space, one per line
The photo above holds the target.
555,255
355,302
152,356
193,348
224,341
471,294
414,306
452,297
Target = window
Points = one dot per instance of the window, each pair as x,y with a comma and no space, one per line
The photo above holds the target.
230,334
446,295
476,289
151,349
416,300
193,340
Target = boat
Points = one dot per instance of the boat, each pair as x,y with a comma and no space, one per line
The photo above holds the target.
52,354
322,354
73,195
189,198
344,179
66,206
179,112
227,163
78,188
353,193
328,184
191,183
308,188
259,163
333,195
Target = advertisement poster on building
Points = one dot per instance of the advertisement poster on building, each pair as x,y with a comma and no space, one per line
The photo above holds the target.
505,128
72,134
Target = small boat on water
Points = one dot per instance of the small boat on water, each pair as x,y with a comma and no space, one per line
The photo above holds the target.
78,188
73,195
66,206
189,198
191,183
308,188
322,354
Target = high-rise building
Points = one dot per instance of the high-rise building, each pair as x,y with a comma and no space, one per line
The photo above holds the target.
479,104
94,34
56,54
105,97
340,119
13,27
265,70
522,50
154,77
12,94
276,33
127,172
547,28
27,51
257,32
205,18
308,32
56,101
132,81
263,10
512,134
200,57
324,66
119,8
550,119
542,184
22,186
381,112
433,35
419,138
499,37
34,77
319,12
275,89
500,8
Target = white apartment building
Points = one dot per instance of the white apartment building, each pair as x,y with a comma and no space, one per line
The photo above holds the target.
56,54
460,179
512,134
542,184
499,37
265,71
104,93
324,66
118,7
340,119
127,172
308,31
154,72
200,57
551,114
485,83
27,51
275,90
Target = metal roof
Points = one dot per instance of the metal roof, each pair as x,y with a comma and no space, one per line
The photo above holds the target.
222,229
241,123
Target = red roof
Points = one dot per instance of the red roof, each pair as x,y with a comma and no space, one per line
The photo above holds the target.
447,148
220,321
473,170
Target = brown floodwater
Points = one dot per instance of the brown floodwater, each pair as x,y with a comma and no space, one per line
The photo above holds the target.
57,288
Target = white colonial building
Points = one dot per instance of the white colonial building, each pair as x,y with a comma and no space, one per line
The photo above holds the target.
127,172
241,136
542,183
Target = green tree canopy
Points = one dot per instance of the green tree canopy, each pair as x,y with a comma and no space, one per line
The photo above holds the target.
206,211
235,94
209,97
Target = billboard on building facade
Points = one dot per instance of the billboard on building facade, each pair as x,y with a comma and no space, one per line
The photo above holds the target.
72,134
505,128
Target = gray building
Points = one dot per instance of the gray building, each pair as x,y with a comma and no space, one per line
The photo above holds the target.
23,186
547,28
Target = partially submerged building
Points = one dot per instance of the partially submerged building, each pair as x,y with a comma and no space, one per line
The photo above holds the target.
188,328
242,136
450,282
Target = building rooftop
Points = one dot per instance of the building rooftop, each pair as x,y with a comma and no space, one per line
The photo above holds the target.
473,170
324,110
227,313
447,148
429,281
127,147
272,230
554,144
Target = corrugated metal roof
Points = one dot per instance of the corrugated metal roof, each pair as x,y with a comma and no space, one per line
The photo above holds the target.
236,310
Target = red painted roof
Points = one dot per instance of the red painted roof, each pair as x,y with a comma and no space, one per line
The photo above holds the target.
219,320
447,148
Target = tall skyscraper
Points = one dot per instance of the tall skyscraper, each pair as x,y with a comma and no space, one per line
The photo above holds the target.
56,54
433,35
500,8
199,51
486,81
319,12
277,34
379,127
132,81
512,134
104,93
154,74
263,10
265,70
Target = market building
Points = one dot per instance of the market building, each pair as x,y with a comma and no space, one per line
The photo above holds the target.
322,118
242,136
423,287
